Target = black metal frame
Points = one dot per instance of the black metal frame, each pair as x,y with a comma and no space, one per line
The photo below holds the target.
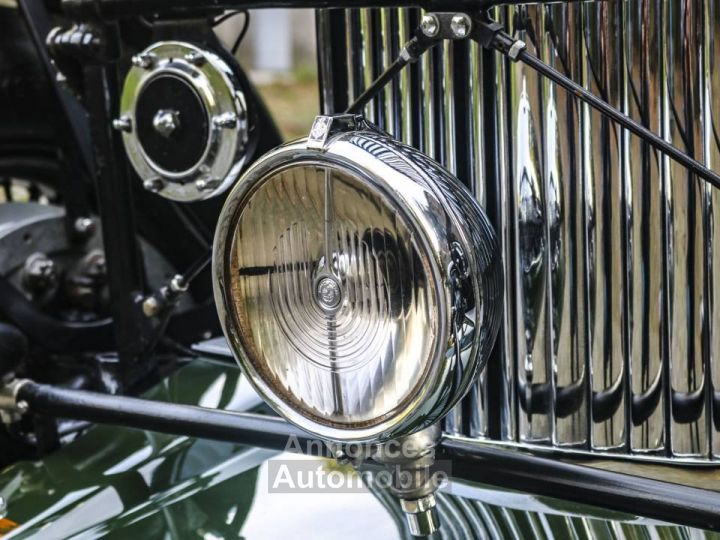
484,464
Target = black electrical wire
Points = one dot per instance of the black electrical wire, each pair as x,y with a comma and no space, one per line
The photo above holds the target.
241,36
226,16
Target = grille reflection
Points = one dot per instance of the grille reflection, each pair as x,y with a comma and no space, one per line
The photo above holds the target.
610,339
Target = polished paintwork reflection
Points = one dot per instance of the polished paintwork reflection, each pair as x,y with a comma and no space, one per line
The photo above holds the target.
121,483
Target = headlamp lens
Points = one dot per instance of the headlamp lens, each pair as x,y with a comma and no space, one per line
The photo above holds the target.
333,296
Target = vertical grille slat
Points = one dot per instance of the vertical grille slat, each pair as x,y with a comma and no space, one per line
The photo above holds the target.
535,391
684,199
712,141
610,338
643,87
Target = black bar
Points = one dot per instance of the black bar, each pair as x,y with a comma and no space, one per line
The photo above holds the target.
481,463
243,428
126,277
673,503
117,9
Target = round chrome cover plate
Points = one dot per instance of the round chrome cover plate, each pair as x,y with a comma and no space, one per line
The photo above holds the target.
184,121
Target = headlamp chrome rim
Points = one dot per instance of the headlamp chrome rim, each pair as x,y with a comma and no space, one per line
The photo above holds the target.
436,395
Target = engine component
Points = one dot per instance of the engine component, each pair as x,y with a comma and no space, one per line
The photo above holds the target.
183,120
357,283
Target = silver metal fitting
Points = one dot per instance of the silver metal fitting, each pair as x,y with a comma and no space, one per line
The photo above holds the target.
421,515
154,184
204,184
122,124
150,307
195,58
10,408
166,121
430,25
226,120
84,227
411,458
515,49
144,60
178,284
461,25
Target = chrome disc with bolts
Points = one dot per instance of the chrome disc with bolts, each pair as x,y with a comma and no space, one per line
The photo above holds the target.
183,120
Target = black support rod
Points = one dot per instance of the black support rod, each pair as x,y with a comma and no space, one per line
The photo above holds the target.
655,499
118,9
470,460
244,428
492,35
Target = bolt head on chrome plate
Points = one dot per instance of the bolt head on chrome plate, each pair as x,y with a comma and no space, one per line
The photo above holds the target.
358,284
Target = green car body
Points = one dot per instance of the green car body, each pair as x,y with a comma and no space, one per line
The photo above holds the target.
123,483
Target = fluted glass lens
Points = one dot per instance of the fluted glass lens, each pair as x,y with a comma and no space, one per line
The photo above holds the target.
333,297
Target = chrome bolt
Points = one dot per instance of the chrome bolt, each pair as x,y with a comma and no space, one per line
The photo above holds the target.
154,184
39,273
122,124
328,293
166,121
150,307
84,227
178,284
430,25
226,120
143,60
460,25
206,184
195,58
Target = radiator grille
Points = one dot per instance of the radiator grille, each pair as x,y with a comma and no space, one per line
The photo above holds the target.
611,332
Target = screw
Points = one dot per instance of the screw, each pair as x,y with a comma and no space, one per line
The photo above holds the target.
153,184
430,25
195,58
150,307
226,120
460,25
143,60
122,124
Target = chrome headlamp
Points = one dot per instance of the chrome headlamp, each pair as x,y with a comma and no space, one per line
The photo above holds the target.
357,283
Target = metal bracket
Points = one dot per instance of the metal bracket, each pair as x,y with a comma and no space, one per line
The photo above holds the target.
10,408
326,126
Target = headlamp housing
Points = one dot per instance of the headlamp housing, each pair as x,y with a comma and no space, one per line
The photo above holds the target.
357,283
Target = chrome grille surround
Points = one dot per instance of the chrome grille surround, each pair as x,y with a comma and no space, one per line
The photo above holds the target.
611,332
